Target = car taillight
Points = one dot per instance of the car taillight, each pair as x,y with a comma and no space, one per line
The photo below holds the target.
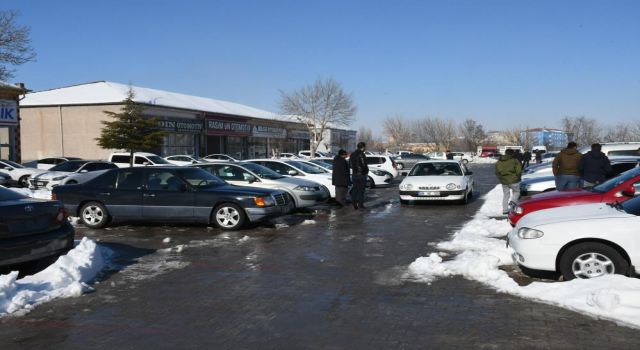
62,215
54,196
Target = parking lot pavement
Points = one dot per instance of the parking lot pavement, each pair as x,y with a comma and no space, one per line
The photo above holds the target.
326,279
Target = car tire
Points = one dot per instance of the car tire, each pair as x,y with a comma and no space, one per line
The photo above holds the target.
399,166
465,161
94,215
23,181
465,200
229,216
590,260
370,182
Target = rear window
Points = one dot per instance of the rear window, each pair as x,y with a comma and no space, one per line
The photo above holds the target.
120,159
375,160
7,195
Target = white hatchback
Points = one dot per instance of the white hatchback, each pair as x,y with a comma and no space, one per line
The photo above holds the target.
584,241
437,180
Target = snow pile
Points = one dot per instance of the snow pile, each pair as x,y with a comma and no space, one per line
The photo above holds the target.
484,160
309,222
67,277
482,252
40,194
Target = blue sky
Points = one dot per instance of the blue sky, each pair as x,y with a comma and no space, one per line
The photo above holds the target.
503,63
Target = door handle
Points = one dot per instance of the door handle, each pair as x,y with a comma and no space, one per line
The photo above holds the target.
105,193
148,195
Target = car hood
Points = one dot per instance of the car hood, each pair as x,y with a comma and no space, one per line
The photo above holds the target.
239,190
296,181
432,180
48,175
571,213
559,195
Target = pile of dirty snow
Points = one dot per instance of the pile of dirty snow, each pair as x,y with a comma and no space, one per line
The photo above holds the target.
67,277
481,252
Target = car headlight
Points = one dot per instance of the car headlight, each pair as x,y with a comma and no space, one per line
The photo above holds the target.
265,201
452,186
406,187
529,233
378,172
58,178
306,188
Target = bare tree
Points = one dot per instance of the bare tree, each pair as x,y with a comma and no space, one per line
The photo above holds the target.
472,133
319,106
365,135
15,44
397,129
581,130
441,132
624,132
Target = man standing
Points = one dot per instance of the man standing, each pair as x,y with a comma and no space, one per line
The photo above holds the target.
594,166
538,157
526,159
359,174
566,168
449,155
509,171
340,177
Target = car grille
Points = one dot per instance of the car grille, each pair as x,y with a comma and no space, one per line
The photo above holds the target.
281,198
429,187
38,183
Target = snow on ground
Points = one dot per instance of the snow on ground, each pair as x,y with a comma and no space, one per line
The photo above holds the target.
481,252
67,277
484,160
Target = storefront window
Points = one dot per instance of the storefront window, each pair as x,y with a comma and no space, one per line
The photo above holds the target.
235,147
177,143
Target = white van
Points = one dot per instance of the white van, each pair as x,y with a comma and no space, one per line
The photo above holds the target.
616,148
121,159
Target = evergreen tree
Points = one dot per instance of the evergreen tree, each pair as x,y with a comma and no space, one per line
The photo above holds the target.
129,130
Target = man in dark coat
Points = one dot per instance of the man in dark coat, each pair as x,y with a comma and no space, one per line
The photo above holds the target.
449,155
340,177
359,174
526,158
594,166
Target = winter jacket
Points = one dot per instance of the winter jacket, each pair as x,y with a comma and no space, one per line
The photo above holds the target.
340,175
595,167
358,162
508,170
567,162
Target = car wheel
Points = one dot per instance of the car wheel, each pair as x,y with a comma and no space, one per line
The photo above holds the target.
465,200
292,200
399,166
229,216
464,161
94,215
24,181
590,260
370,183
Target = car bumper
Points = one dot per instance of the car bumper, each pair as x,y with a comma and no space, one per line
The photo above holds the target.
442,196
259,214
306,199
531,253
18,250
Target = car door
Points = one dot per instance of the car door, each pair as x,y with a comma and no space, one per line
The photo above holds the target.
125,200
166,197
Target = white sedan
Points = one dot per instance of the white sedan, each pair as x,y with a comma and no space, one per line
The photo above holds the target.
437,180
183,160
583,241
18,173
59,173
376,177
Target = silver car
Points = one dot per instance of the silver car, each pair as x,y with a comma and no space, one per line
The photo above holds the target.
305,193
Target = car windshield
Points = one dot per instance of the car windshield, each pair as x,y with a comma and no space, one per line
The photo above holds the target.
157,160
7,195
436,169
13,164
200,178
616,181
69,166
322,163
306,167
262,171
632,206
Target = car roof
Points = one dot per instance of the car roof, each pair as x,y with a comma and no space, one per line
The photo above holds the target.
439,161
146,154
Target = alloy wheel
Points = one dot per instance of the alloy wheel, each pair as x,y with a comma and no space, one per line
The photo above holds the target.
227,217
590,265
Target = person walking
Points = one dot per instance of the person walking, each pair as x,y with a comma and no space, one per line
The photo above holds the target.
594,166
566,168
340,177
538,157
359,174
526,158
449,155
509,171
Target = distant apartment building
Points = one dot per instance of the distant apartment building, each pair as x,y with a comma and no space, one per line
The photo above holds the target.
552,139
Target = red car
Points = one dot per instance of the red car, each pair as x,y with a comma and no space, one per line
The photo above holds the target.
619,188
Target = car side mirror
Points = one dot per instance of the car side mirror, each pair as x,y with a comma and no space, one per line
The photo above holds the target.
251,179
629,192
8,168
146,163
292,172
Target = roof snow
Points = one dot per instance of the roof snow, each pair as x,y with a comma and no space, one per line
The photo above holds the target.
103,92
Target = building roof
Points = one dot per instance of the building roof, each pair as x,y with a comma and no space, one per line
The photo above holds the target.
106,92
543,129
7,86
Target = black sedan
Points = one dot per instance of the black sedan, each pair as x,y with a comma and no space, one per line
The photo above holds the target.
32,229
169,194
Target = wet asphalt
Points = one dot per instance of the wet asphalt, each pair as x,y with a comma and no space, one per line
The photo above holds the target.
326,278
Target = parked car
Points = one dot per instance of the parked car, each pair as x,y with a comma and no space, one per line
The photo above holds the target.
122,159
300,168
307,154
169,194
48,163
60,172
537,170
304,193
287,156
385,163
532,186
437,155
376,177
408,160
548,157
437,180
463,157
4,179
183,160
218,156
584,241
32,229
620,188
18,173
615,148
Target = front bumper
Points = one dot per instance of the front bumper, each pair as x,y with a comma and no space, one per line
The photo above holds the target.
531,253
259,214
307,199
18,250
424,196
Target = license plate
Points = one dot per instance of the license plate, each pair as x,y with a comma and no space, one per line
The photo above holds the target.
428,193
40,183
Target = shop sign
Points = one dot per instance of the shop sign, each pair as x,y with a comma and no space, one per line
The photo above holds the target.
269,131
228,127
299,134
181,125
8,112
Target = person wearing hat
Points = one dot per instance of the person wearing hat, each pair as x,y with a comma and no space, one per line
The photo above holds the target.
340,177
